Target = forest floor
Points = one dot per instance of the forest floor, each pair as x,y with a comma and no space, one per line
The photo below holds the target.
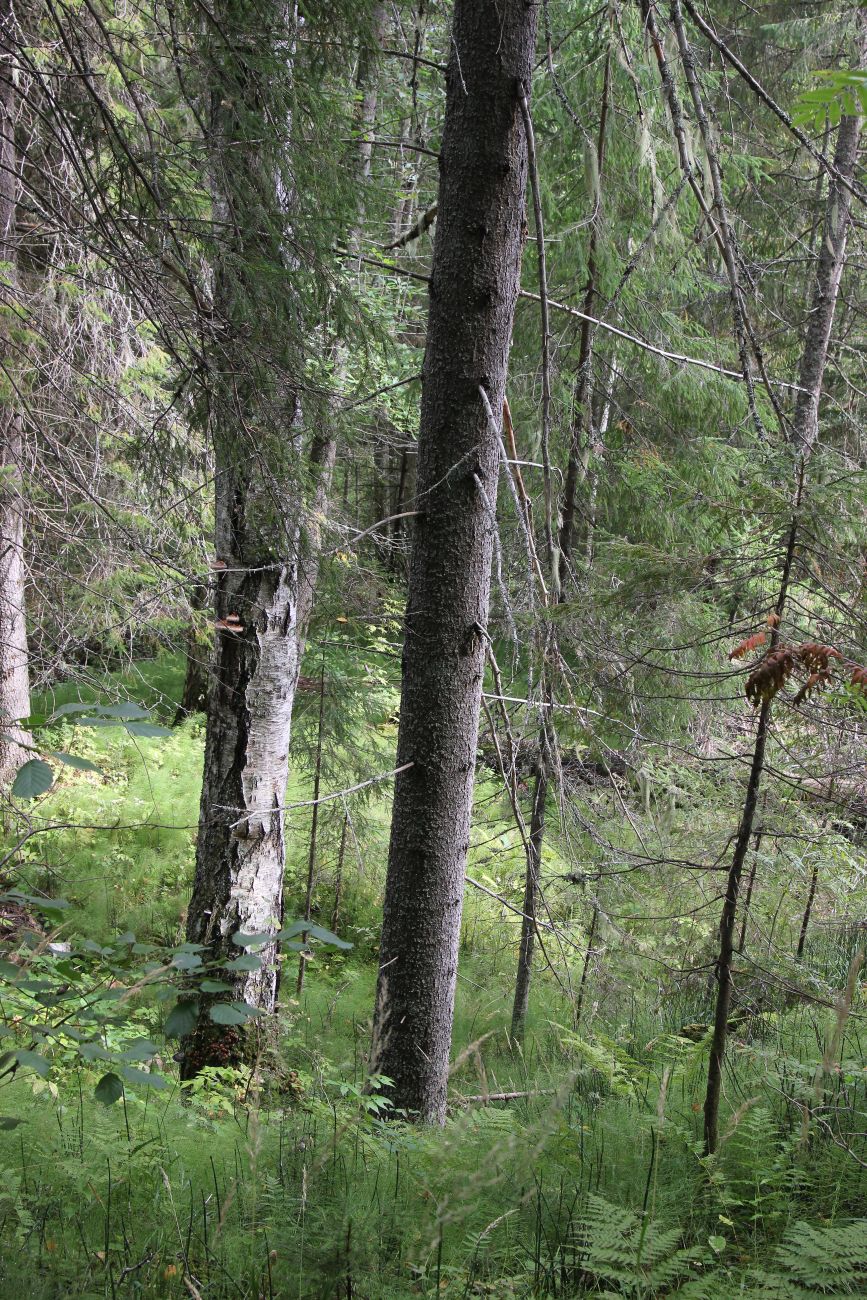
291,1181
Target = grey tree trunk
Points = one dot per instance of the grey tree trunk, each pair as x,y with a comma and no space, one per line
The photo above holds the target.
473,288
829,269
14,673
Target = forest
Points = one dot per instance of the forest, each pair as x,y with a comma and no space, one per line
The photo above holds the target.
433,649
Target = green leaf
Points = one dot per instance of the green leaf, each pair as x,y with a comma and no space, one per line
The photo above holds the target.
66,709
34,1061
143,1077
186,960
108,1090
72,760
94,1052
126,709
313,932
242,940
33,779
215,986
247,962
182,1018
141,1049
227,1013
146,729
51,904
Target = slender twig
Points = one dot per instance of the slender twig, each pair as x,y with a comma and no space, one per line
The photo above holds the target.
680,358
325,798
546,325
804,140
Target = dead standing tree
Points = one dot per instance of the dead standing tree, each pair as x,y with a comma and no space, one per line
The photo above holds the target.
803,436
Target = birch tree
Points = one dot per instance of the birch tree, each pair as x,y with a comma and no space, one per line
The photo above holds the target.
263,578
271,497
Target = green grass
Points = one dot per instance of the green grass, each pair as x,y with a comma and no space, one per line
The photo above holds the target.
290,1185
304,1194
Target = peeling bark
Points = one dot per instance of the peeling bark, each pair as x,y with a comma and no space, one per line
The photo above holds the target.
268,524
265,552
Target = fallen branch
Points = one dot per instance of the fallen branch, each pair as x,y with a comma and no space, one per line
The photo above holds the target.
485,1097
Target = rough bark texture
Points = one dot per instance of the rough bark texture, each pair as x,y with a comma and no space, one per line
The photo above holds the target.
14,675
474,282
194,698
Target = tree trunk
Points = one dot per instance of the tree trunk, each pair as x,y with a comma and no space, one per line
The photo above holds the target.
473,288
14,674
585,969
367,89
745,916
599,433
578,462
804,433
260,579
267,538
524,973
805,923
580,449
726,931
194,698
314,827
829,270
338,876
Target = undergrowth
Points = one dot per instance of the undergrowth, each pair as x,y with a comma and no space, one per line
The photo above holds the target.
290,1179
